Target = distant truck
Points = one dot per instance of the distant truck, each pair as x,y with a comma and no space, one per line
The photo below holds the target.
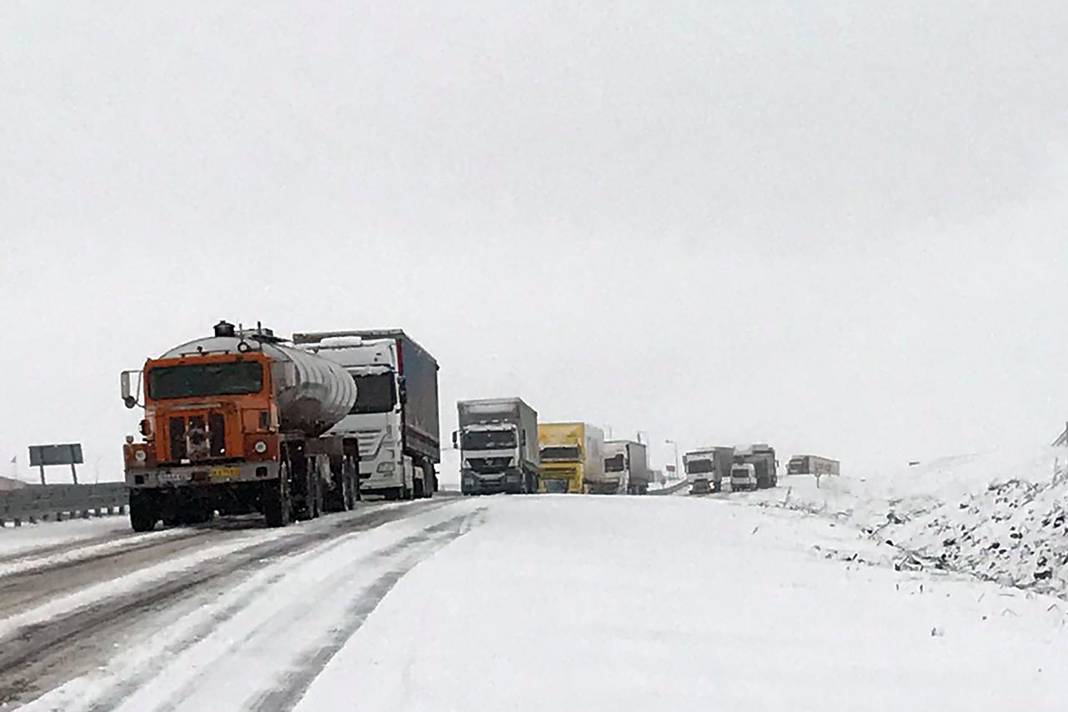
626,469
395,417
762,457
812,465
743,477
498,443
707,469
571,455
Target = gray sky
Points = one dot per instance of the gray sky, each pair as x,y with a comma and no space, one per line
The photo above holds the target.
834,226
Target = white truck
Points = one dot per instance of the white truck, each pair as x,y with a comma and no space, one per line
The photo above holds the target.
395,418
626,468
743,477
498,443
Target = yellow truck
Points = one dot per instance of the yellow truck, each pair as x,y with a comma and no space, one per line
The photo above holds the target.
571,455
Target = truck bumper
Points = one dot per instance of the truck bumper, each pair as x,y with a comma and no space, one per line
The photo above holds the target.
184,476
491,483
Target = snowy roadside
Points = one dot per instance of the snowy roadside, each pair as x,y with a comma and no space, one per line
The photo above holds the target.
997,516
17,541
674,603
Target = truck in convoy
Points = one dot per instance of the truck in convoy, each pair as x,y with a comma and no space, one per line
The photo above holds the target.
812,465
762,457
626,469
743,477
708,468
395,416
498,443
238,422
572,454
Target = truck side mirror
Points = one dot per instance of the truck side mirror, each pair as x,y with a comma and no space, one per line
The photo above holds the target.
128,396
455,445
402,390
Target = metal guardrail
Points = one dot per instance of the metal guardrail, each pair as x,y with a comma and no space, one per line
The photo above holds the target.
34,502
672,489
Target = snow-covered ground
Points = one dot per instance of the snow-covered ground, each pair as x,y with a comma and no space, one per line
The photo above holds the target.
996,515
778,600
15,541
674,603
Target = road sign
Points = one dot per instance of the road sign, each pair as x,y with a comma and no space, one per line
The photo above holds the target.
63,454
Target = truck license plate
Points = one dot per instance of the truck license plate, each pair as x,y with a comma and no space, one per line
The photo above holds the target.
225,473
172,477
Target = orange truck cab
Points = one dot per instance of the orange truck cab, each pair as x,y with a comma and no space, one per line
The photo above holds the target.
234,423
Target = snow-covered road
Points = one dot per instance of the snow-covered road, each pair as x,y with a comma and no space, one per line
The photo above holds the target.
524,603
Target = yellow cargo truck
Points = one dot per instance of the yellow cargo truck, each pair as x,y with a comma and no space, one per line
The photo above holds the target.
571,454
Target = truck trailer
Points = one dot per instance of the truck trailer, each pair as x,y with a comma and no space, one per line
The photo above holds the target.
762,457
812,465
238,422
571,455
498,443
395,417
626,469
708,468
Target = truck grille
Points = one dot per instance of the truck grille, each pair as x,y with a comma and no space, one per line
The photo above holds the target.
488,464
193,438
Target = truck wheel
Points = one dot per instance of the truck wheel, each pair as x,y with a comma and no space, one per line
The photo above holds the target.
417,489
143,514
276,502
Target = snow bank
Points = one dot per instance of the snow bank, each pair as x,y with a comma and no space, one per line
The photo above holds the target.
15,541
998,515
686,603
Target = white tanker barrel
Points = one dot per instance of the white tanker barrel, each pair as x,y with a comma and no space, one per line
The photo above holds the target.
319,394
313,394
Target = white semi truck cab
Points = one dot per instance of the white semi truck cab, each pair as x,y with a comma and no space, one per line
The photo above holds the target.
397,449
498,442
743,477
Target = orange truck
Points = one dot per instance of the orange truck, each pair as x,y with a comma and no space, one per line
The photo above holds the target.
236,423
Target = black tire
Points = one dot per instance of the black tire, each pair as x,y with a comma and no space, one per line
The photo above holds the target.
417,489
276,502
143,513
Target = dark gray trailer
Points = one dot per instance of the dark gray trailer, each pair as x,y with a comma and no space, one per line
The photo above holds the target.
762,457
498,443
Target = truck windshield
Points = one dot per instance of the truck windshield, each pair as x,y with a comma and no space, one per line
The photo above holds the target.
488,439
614,464
205,379
375,393
699,467
559,453
797,466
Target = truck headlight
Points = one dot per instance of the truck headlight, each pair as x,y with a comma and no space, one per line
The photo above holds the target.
140,456
260,447
385,467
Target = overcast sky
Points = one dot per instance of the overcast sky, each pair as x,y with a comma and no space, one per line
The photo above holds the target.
837,227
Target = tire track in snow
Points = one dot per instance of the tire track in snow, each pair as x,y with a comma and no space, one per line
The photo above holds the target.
285,698
40,657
